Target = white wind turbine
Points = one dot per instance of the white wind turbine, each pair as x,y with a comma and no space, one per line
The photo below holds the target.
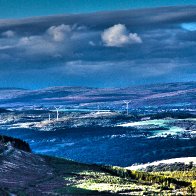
127,106
98,109
57,112
49,118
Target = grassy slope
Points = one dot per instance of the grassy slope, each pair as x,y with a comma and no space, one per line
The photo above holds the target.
92,179
24,173
72,178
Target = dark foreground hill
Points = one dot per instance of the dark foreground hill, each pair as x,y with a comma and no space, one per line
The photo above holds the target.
25,173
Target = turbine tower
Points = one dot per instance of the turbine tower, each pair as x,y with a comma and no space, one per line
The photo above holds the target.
57,112
49,118
127,106
98,109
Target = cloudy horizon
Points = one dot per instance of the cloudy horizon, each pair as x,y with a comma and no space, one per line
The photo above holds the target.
105,49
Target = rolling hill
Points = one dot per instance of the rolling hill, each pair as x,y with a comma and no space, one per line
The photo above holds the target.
150,95
25,173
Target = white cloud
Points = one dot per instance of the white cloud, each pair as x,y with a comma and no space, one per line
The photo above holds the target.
59,33
8,34
92,43
37,45
55,41
6,47
118,36
189,26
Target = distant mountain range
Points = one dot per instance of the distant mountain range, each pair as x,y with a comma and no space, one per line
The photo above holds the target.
179,94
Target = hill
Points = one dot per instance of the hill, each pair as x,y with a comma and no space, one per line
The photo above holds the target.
25,173
150,95
2,110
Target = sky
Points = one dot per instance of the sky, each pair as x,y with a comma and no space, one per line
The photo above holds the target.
96,44
29,8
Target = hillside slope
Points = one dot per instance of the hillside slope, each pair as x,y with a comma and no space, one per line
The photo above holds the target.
25,173
150,95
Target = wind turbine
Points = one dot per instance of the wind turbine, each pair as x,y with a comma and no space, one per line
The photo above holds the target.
127,106
98,109
57,112
49,118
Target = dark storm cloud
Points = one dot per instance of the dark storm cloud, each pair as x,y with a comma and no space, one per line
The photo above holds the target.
121,46
132,18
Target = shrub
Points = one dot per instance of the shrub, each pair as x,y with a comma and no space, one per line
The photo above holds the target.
17,143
